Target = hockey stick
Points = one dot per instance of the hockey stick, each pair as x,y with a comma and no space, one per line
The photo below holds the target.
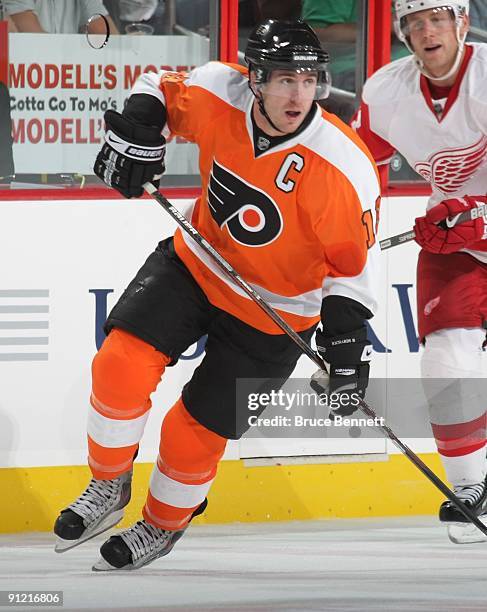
307,350
468,215
393,241
227,268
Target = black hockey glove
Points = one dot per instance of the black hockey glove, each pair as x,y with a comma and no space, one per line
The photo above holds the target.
132,155
348,356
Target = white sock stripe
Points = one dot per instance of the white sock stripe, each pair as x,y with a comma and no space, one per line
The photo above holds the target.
174,493
115,433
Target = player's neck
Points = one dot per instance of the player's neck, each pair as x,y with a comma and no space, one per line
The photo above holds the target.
444,83
451,80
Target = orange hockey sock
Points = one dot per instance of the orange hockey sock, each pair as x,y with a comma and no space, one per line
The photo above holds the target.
126,370
185,469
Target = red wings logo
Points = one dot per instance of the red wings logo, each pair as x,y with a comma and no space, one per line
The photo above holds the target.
448,170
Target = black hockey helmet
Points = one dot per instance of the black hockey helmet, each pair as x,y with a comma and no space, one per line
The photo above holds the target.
287,45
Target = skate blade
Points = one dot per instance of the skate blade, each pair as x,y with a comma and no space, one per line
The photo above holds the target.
109,522
466,533
103,566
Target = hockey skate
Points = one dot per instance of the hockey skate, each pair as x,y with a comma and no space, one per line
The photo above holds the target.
138,546
96,510
459,529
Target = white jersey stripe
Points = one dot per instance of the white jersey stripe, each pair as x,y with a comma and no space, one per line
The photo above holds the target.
335,147
305,305
148,83
232,89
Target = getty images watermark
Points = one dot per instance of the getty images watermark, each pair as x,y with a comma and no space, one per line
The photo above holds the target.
297,405
277,408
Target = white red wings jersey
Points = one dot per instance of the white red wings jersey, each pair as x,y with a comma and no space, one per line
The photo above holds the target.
297,222
449,149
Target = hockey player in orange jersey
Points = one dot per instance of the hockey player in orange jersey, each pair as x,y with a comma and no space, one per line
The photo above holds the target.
289,198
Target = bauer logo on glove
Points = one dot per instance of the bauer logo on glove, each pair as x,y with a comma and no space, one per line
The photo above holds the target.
130,150
133,154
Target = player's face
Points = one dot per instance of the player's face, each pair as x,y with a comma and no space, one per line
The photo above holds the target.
433,37
288,97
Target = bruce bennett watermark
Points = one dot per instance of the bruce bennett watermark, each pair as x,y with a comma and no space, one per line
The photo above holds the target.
299,420
300,410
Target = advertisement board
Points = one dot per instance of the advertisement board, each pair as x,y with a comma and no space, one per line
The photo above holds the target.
60,93
64,265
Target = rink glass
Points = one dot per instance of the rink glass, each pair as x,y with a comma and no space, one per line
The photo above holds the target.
61,84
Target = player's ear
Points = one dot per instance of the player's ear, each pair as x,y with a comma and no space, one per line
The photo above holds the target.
465,25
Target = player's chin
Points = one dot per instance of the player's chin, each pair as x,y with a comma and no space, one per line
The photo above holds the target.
433,56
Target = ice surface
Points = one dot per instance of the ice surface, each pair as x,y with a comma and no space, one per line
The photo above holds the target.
391,565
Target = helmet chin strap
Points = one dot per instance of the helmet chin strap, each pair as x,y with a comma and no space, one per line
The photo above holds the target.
456,63
260,102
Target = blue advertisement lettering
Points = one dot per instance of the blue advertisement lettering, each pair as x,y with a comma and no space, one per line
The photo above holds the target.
101,310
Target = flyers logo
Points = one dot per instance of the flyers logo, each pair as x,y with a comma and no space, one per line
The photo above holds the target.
250,215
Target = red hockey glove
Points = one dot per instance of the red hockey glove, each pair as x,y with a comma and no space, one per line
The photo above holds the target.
442,239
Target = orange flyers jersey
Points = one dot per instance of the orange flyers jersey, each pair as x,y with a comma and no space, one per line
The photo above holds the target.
297,222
